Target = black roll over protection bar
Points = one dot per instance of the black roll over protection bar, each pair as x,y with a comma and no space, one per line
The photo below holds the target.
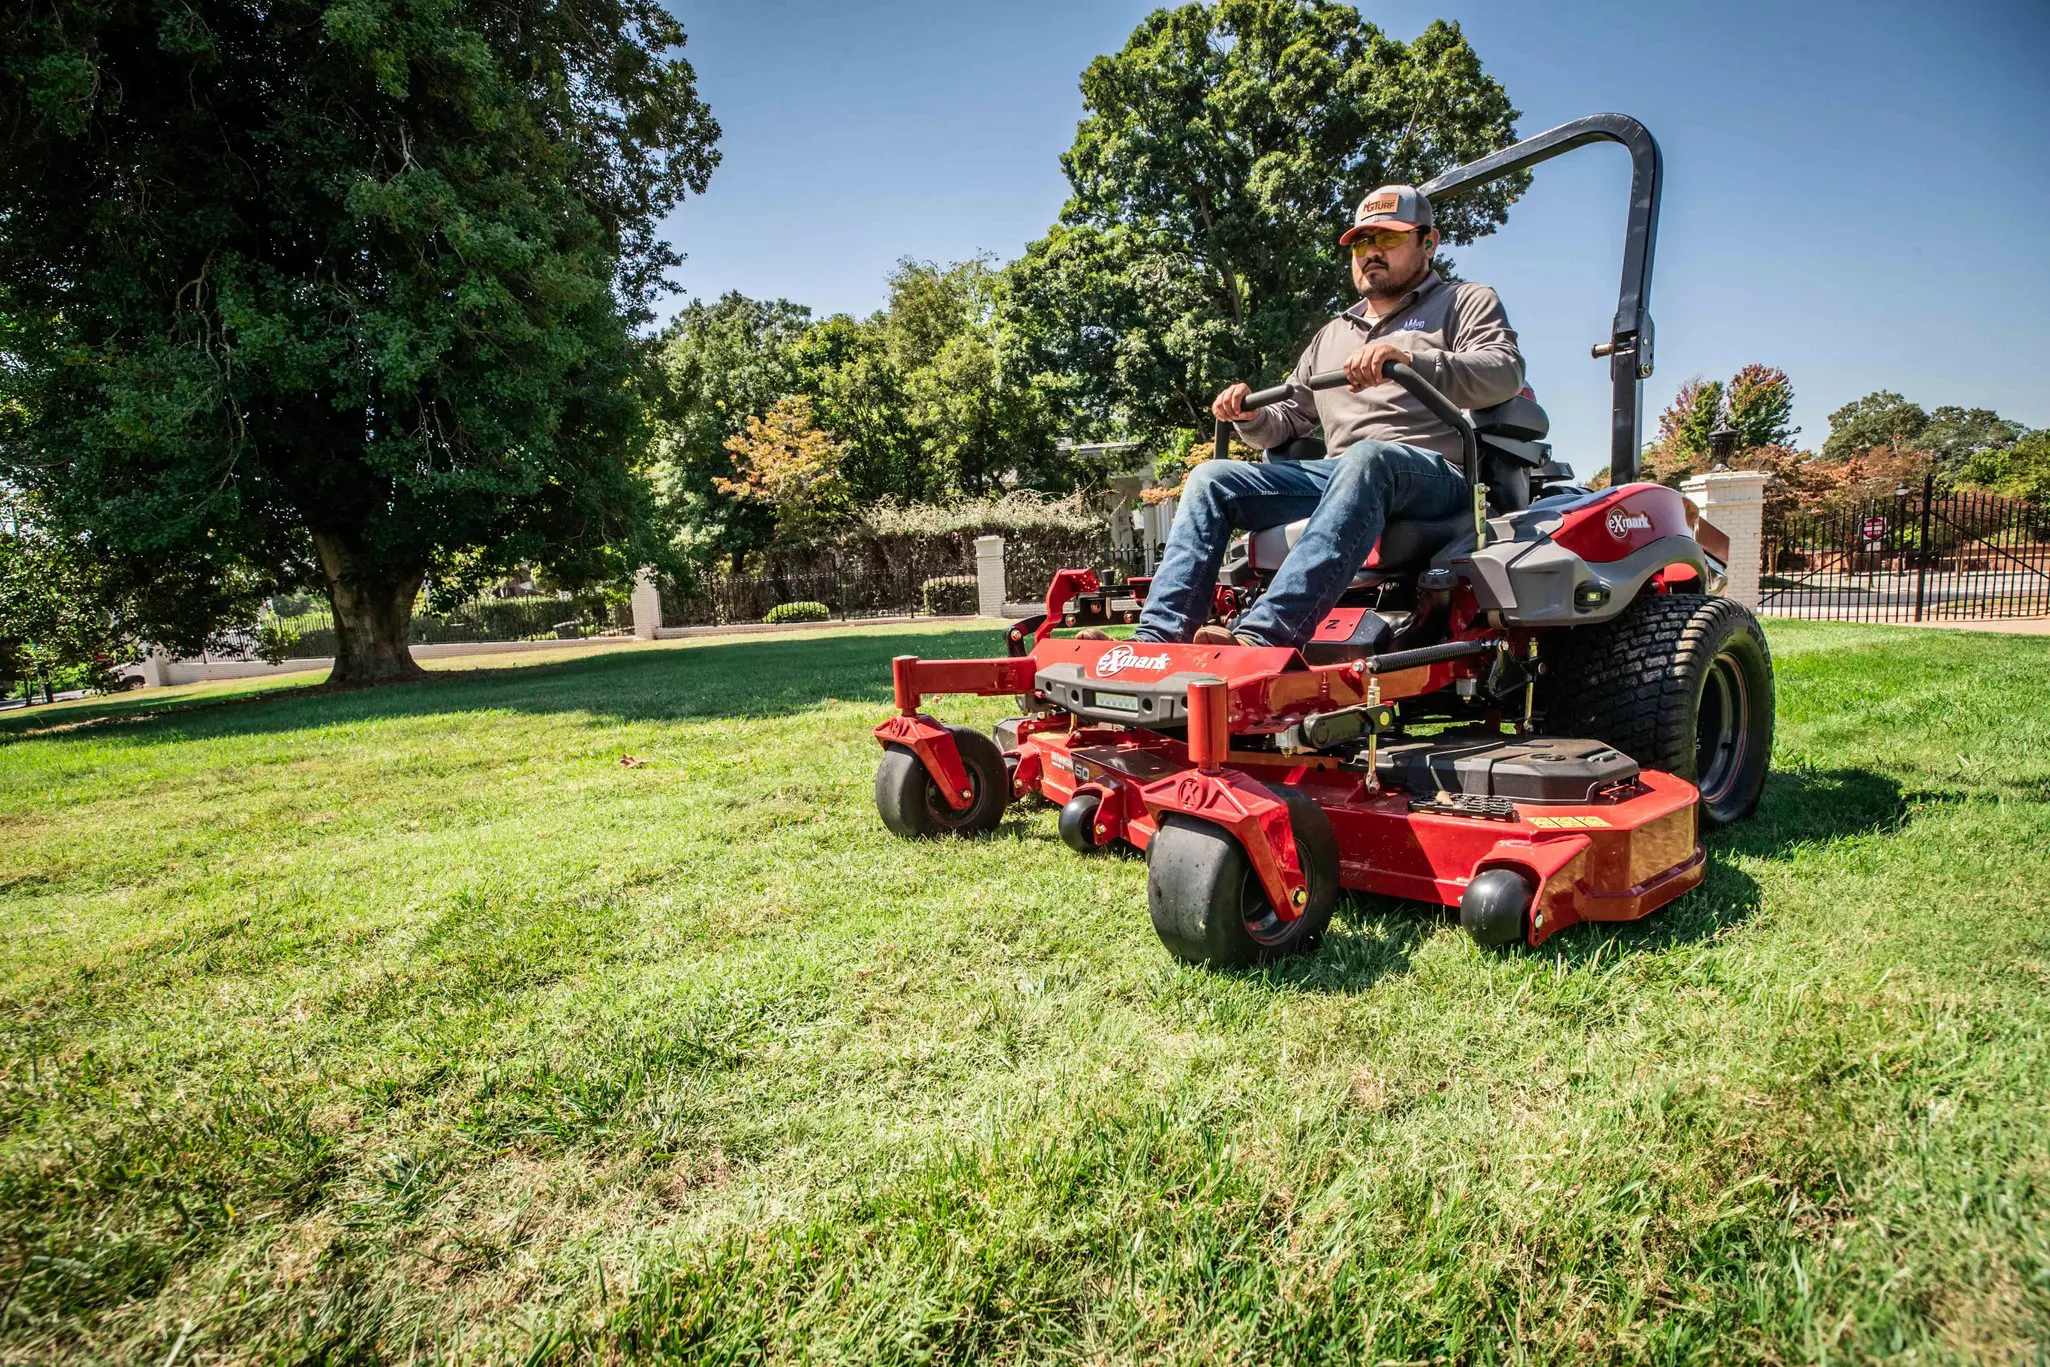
1629,348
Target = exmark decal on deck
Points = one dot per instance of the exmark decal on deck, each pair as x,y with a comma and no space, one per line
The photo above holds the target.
1118,659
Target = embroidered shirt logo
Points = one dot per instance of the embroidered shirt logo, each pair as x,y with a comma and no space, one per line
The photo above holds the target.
1413,325
1621,524
1118,659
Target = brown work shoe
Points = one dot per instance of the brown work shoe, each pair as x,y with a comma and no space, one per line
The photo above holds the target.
1218,636
1092,634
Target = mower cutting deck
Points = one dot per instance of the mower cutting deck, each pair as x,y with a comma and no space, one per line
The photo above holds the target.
1252,824
1528,711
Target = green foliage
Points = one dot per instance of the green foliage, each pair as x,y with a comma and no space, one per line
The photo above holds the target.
1961,444
2018,470
949,595
1695,412
1882,420
797,612
1041,534
922,398
1220,155
719,364
340,292
1953,436
1759,407
65,601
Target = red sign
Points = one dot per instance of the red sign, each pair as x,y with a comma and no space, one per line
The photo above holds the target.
1875,527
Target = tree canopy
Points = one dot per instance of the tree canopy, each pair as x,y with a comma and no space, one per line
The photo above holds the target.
924,399
339,291
1220,156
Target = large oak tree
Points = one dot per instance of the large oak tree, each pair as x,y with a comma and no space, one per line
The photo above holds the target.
339,291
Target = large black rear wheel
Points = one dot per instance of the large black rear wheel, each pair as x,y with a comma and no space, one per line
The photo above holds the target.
1206,900
1680,682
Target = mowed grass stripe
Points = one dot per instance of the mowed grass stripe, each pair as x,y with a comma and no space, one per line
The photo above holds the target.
410,1022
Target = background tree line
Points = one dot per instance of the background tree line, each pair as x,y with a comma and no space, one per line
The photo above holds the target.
1874,444
357,296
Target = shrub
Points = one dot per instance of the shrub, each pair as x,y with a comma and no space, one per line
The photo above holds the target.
949,595
797,612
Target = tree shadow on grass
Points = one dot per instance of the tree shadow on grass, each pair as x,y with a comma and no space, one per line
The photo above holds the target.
717,679
1375,936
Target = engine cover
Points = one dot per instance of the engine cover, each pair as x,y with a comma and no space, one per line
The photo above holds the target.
1539,769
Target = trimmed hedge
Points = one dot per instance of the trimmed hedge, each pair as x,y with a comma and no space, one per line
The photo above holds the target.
949,595
797,612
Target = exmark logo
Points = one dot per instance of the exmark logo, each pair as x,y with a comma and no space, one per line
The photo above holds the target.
1621,524
1118,659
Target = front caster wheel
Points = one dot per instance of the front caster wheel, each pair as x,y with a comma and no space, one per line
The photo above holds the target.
911,804
1078,822
1207,904
1496,907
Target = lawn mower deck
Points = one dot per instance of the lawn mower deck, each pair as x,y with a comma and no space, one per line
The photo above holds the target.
1286,761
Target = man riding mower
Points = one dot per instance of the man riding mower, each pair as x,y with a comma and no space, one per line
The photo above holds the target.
1476,684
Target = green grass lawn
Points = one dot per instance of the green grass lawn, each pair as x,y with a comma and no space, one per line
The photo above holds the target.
409,1023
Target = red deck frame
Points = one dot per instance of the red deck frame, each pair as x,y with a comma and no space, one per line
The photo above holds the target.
1607,861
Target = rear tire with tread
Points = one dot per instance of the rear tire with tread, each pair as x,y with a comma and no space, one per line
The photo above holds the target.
1680,682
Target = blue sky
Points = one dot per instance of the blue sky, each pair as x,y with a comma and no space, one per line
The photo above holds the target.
1857,193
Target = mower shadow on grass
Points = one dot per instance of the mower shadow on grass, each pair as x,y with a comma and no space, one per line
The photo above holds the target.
1373,937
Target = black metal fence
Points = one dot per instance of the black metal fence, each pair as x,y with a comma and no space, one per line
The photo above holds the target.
1920,554
833,587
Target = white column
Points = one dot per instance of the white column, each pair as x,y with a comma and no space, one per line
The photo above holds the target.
647,605
1734,500
156,662
989,576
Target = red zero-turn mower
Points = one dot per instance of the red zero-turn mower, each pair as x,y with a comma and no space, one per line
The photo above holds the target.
1528,712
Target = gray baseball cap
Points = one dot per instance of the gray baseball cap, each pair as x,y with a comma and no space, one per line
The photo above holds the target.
1391,206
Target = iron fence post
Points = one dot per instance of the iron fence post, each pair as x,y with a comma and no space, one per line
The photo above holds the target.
1922,543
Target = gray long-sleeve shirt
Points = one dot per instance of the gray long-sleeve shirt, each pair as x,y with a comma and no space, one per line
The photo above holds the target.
1462,342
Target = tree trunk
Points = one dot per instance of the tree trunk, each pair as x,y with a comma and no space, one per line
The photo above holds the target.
373,615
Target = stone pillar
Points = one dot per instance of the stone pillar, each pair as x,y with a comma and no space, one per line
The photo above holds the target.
1734,500
989,576
647,605
156,664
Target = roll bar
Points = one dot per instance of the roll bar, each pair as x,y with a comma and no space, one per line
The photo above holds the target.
1629,347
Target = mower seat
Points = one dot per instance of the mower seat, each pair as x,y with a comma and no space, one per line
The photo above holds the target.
1404,545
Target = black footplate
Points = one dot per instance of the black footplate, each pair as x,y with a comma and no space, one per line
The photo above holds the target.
1466,804
1538,769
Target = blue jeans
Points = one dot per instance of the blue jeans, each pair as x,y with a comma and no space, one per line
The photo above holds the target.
1348,501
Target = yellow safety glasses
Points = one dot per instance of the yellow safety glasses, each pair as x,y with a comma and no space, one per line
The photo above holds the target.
1382,239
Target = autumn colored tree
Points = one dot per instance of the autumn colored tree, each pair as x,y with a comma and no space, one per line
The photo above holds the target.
786,463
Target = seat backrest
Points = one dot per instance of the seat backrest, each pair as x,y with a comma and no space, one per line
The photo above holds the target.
1518,417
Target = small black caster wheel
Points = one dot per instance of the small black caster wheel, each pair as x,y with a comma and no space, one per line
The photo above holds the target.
911,805
1208,905
1496,907
1078,822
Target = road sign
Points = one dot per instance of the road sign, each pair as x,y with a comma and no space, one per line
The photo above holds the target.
1875,527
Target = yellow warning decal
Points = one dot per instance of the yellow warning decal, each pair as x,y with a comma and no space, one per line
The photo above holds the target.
1569,822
